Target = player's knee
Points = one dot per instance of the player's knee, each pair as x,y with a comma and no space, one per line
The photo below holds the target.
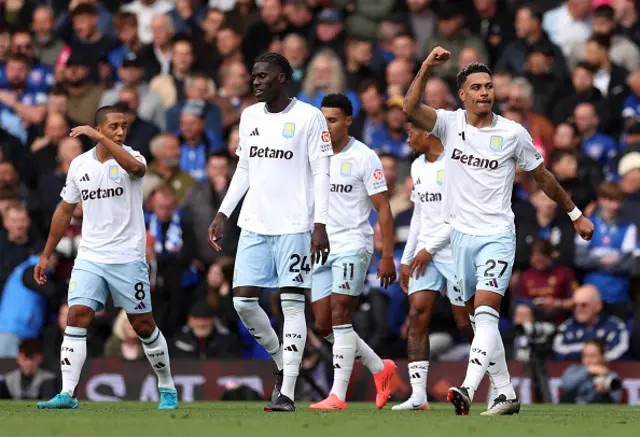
340,314
144,327
324,328
462,320
418,318
245,305
79,316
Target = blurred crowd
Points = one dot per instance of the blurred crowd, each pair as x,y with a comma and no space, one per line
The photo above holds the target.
180,71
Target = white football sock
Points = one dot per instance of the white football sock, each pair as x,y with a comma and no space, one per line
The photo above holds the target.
418,371
294,336
259,326
482,347
365,354
344,354
157,352
73,353
499,372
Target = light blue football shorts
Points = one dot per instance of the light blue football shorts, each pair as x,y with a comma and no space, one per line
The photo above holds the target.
91,282
438,277
273,261
483,262
343,273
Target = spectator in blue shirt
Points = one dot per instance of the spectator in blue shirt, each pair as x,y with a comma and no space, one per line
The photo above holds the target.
631,108
392,139
197,142
370,121
126,24
607,259
589,323
598,146
40,76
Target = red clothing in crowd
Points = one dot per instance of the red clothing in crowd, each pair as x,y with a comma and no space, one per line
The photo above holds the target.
557,282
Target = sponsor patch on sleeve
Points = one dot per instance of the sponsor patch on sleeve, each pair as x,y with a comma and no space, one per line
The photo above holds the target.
326,138
378,179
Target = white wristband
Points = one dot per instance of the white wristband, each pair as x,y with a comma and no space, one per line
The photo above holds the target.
574,214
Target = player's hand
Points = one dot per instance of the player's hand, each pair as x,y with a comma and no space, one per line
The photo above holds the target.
420,263
386,271
40,272
584,227
215,231
404,278
319,244
437,57
87,131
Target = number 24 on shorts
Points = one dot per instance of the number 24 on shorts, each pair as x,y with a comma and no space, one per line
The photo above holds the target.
298,260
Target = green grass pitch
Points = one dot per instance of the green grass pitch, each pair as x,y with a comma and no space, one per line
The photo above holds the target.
140,419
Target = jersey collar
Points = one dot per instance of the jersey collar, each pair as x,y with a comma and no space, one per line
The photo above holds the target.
494,119
285,110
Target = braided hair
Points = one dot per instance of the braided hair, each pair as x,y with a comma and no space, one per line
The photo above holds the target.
272,58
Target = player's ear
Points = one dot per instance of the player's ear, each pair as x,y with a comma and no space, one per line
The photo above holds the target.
349,120
461,94
282,78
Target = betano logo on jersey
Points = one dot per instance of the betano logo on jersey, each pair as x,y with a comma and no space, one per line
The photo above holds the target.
430,197
102,193
473,161
339,188
265,152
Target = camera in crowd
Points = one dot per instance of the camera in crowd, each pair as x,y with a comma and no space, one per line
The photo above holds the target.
610,382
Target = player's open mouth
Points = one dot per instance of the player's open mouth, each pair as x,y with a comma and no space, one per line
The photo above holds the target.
257,92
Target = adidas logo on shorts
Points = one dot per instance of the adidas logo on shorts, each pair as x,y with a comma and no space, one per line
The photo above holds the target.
141,306
345,286
299,278
492,283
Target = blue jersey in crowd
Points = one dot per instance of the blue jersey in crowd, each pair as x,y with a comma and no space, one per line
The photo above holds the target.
12,122
602,149
193,160
609,330
40,78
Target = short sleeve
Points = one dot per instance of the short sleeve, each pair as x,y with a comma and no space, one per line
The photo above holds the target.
526,154
319,140
70,192
139,157
442,122
373,177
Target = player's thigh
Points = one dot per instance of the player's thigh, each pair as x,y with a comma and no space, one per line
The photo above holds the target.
464,248
432,280
494,263
322,280
453,292
129,286
349,272
254,266
87,285
292,255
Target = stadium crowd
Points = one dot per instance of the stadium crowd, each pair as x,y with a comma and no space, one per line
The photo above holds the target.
569,72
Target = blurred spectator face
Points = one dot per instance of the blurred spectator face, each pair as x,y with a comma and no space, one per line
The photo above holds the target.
128,34
416,6
540,261
76,75
565,168
399,73
634,82
169,153
56,128
68,149
215,276
390,170
396,119
538,63
298,14
164,205
543,204
502,84
322,71
21,42
582,80
197,88
631,181
603,26
327,32
591,355
201,327
233,140
448,27
587,304
518,99
5,43
131,98
182,56
295,50
360,52
17,222
271,11
523,314
8,175
372,101
404,47
623,7
609,207
58,103
437,93
585,118
131,74
218,168
595,54
580,8
564,137
468,56
43,20
236,81
17,72
191,127
526,24
85,25
212,22
228,42
29,364
161,31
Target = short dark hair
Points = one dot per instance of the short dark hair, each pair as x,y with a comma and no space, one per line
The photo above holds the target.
30,347
572,126
611,190
19,57
278,60
585,66
596,343
474,67
58,90
404,34
102,113
370,83
535,11
542,246
84,9
604,11
218,154
604,41
559,154
338,101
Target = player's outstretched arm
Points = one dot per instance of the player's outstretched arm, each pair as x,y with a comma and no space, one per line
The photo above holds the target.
59,224
386,266
423,115
548,183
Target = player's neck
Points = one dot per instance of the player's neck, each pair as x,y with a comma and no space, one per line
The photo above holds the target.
479,120
433,155
279,103
102,153
339,146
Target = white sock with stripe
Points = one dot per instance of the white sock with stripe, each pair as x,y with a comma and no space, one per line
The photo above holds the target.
294,337
157,352
344,354
73,353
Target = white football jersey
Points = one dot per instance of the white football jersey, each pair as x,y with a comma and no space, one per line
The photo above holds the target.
278,149
481,166
113,230
428,189
356,174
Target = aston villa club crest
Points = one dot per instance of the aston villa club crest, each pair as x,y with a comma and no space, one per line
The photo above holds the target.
345,170
440,177
289,130
496,143
114,173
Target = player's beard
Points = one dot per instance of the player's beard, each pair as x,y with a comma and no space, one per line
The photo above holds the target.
18,85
